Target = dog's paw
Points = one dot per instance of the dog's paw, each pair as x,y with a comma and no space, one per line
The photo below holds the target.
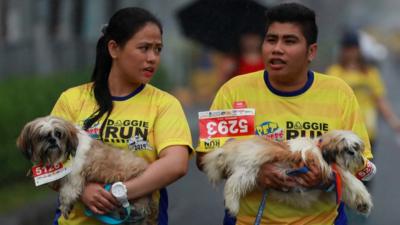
144,206
143,210
363,205
65,210
364,208
232,206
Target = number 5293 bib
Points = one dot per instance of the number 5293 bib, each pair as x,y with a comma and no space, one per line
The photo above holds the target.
218,126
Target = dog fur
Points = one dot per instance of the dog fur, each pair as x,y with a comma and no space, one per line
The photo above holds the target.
240,161
50,140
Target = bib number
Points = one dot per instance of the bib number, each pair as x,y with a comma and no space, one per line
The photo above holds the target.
47,174
219,125
224,127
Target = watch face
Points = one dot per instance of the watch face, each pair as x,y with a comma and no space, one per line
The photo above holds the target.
118,191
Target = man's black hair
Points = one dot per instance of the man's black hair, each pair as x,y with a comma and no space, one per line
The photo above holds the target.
295,13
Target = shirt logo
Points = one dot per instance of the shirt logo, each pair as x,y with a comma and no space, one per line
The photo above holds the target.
271,131
296,129
137,143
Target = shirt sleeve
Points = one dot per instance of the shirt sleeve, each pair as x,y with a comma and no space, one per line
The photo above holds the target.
171,126
62,108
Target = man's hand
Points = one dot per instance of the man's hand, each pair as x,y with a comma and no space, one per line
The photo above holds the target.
97,199
270,176
311,179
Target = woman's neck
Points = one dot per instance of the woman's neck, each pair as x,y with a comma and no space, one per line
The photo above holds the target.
119,86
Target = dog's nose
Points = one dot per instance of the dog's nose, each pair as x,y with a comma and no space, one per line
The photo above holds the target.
51,140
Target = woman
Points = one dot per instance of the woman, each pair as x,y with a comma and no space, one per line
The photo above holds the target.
120,108
365,80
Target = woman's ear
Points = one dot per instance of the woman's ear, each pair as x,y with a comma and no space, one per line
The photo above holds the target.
113,49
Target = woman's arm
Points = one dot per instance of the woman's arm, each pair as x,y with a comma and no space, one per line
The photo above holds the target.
386,110
172,165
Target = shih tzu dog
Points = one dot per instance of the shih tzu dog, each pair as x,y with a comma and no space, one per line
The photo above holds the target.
50,140
240,160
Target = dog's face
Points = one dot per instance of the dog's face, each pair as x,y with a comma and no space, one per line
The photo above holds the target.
48,140
343,148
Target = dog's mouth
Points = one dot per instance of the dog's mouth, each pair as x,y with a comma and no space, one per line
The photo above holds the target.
51,154
52,149
53,146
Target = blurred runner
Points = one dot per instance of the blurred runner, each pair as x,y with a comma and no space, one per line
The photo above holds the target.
366,82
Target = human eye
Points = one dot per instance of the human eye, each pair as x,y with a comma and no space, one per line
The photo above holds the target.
291,41
158,49
270,39
143,48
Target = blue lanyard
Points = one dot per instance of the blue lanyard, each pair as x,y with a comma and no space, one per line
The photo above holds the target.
261,208
107,218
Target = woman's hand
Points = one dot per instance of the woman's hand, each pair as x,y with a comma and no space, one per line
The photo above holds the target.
97,199
270,176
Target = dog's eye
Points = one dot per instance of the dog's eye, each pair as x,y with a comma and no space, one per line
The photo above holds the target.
357,146
58,134
348,151
42,137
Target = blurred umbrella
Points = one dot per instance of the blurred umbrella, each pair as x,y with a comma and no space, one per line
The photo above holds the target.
219,23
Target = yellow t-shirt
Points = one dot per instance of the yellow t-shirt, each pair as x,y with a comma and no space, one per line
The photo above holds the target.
324,103
145,122
367,87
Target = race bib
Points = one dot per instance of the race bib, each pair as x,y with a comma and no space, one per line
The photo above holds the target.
218,126
47,174
367,173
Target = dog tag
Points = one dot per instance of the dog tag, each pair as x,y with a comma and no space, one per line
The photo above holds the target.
47,174
367,172
218,126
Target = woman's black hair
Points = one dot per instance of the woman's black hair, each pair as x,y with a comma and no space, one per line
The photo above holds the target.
122,26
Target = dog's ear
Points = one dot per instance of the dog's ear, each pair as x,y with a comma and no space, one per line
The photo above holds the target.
24,141
72,139
329,155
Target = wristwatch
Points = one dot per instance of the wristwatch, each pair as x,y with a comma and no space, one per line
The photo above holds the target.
119,191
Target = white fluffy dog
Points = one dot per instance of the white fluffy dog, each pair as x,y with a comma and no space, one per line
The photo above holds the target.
240,161
50,140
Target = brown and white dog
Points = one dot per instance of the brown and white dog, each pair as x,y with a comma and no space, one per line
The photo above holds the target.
50,140
240,160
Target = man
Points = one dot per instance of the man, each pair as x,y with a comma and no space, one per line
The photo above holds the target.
291,101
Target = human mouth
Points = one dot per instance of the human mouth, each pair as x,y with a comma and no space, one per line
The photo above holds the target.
277,63
148,72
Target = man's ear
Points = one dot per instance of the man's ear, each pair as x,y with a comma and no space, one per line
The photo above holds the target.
312,52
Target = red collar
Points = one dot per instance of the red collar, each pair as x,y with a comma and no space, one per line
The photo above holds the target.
338,183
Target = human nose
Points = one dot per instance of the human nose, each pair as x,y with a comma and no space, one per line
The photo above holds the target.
152,55
277,48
